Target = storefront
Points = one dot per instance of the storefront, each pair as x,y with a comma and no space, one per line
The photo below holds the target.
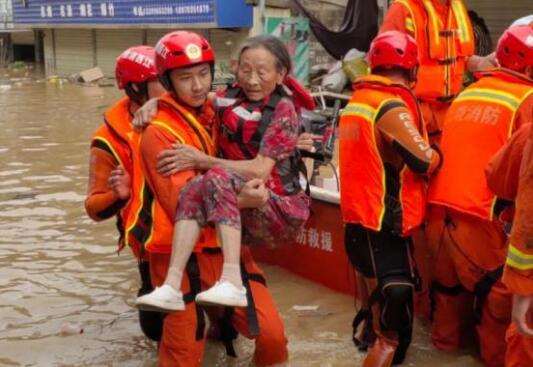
499,15
81,34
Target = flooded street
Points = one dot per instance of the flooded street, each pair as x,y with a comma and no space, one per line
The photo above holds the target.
66,297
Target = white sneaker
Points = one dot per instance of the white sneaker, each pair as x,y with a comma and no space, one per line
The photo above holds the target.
162,299
223,293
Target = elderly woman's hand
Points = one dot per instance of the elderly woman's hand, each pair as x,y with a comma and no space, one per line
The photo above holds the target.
306,142
253,194
145,114
180,157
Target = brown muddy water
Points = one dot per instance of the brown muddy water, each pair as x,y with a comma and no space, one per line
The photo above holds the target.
59,271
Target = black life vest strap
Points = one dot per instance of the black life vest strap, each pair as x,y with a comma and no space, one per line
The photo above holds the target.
193,273
436,287
368,336
142,228
482,290
266,116
227,331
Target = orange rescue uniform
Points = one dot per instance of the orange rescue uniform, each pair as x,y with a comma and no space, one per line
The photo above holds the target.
445,40
110,148
383,158
510,173
466,241
183,339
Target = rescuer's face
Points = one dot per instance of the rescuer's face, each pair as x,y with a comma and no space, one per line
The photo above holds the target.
192,84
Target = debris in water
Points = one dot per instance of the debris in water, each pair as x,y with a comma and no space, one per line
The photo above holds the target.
5,87
26,195
305,308
70,328
91,75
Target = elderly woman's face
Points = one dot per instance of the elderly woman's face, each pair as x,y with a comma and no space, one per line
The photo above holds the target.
257,73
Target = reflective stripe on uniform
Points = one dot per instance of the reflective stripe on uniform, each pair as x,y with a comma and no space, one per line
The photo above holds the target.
490,95
111,149
169,129
518,259
459,12
434,19
360,110
410,25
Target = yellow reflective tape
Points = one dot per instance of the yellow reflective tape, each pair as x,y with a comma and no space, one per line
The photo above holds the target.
110,146
433,17
459,12
167,128
136,216
520,253
518,259
491,95
361,110
409,25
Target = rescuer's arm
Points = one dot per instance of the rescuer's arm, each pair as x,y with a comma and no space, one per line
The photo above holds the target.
398,19
165,188
101,202
518,275
395,123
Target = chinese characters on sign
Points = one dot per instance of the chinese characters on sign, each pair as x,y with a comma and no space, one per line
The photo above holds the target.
142,11
316,239
82,10
171,13
88,10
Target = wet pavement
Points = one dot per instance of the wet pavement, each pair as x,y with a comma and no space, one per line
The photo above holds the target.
66,296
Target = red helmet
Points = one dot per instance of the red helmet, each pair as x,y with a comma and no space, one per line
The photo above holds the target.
135,65
515,48
393,48
180,49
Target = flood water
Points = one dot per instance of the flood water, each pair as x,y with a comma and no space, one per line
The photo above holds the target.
60,273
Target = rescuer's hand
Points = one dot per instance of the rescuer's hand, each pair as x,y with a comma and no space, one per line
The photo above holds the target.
120,183
145,114
521,307
306,141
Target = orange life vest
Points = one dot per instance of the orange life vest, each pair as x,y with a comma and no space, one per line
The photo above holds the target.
150,227
443,47
112,137
477,125
368,196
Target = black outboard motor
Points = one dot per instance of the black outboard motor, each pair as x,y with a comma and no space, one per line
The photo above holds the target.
318,124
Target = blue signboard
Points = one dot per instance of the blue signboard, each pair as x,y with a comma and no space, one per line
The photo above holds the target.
186,13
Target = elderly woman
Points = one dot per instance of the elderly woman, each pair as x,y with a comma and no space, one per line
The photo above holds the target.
256,133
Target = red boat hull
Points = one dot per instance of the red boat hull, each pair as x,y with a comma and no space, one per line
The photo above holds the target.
318,253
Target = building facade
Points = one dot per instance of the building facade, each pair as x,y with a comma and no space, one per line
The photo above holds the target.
80,34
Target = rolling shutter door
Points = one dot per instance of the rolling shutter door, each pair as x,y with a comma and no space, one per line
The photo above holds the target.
110,43
499,14
74,50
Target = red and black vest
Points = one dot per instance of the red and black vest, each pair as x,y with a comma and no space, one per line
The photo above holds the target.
241,125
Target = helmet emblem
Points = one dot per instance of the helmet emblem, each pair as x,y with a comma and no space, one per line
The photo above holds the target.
193,51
